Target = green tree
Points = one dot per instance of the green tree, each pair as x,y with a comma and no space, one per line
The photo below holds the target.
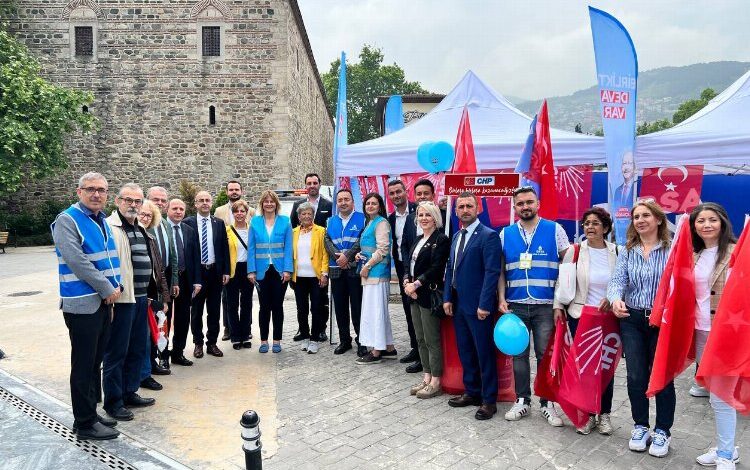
35,117
690,107
365,81
649,127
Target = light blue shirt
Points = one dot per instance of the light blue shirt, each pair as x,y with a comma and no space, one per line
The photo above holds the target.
636,278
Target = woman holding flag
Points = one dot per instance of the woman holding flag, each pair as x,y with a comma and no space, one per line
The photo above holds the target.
713,244
596,259
631,292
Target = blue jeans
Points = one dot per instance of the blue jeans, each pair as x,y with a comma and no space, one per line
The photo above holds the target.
639,345
539,320
726,423
124,355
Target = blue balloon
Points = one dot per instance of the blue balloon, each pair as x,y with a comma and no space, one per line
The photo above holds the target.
441,156
511,335
423,157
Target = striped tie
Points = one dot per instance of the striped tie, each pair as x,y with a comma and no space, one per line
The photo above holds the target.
204,243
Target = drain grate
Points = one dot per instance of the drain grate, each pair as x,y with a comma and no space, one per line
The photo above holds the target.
25,293
104,456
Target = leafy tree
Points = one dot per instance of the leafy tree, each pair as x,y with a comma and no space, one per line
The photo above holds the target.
35,117
365,81
649,127
690,107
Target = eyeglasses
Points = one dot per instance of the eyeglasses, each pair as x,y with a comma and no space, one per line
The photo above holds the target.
146,215
130,201
90,190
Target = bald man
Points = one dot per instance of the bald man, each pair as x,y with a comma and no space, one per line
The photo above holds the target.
213,248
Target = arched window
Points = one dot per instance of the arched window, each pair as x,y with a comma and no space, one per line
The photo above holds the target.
212,115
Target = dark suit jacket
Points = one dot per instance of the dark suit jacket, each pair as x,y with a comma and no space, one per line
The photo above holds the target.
324,212
410,233
429,267
477,273
192,254
221,244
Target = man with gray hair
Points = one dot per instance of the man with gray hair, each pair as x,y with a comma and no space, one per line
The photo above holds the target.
89,271
126,351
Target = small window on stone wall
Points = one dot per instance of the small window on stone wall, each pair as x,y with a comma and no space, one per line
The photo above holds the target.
84,40
211,41
84,109
212,115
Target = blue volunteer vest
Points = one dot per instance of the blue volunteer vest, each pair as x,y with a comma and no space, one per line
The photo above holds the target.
368,244
102,254
345,237
537,283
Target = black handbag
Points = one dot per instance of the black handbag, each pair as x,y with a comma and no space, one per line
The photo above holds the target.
436,301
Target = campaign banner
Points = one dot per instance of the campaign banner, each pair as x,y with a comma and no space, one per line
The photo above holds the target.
482,184
394,114
617,77
677,189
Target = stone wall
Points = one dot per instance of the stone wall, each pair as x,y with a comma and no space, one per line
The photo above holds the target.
153,89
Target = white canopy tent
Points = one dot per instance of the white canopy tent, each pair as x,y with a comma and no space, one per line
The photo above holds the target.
498,129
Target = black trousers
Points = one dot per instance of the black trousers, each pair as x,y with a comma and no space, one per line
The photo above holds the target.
89,334
307,293
407,306
271,295
240,299
324,308
347,291
210,296
181,316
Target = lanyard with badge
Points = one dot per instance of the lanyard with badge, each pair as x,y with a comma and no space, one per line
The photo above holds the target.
525,261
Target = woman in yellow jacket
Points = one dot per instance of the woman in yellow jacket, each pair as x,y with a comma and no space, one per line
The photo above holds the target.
239,288
310,276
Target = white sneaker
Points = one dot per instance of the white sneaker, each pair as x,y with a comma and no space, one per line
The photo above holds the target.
709,458
312,348
519,410
305,344
550,413
698,391
605,425
724,464
659,443
640,437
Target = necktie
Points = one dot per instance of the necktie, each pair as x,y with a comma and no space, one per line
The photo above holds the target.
204,242
461,244
180,249
162,247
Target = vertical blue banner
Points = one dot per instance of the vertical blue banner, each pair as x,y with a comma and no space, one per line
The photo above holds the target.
340,134
394,114
617,76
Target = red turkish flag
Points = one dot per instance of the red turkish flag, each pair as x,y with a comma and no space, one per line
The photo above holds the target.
465,161
547,381
573,185
345,183
725,365
677,189
152,326
674,313
544,165
410,179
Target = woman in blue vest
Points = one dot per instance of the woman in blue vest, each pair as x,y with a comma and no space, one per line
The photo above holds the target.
270,265
375,271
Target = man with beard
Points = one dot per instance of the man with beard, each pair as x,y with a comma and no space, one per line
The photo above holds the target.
532,250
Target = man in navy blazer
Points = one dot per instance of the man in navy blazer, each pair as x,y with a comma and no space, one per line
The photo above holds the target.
471,299
213,249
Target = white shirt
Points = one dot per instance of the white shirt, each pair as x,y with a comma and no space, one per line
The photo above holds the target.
209,238
161,233
172,225
703,269
469,232
314,203
415,255
241,251
304,263
599,274
400,223
345,220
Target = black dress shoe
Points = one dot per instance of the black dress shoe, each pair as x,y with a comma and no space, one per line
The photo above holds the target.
106,421
157,369
136,401
362,351
97,432
414,368
164,364
486,411
299,337
247,344
214,350
198,351
151,384
237,346
121,414
464,400
342,348
181,360
322,337
411,357
227,334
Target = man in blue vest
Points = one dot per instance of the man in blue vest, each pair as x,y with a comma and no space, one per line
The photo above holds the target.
342,244
532,250
89,270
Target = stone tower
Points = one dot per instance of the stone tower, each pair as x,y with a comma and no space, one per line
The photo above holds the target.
202,90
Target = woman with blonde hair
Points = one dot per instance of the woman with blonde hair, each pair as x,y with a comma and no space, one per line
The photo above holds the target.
631,292
239,288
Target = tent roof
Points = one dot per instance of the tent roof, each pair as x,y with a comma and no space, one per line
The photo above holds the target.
498,129
717,134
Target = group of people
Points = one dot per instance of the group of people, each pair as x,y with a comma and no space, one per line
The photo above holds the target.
116,265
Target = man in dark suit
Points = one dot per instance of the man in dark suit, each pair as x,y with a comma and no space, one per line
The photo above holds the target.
213,247
471,298
188,278
403,236
323,211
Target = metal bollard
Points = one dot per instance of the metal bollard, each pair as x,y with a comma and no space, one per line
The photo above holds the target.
251,440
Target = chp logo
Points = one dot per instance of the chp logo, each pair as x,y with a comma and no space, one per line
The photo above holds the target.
479,181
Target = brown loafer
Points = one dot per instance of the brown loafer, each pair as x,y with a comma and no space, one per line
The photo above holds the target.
198,351
486,411
417,387
430,391
464,400
214,350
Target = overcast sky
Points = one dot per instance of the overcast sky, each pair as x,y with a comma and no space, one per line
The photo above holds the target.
524,48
